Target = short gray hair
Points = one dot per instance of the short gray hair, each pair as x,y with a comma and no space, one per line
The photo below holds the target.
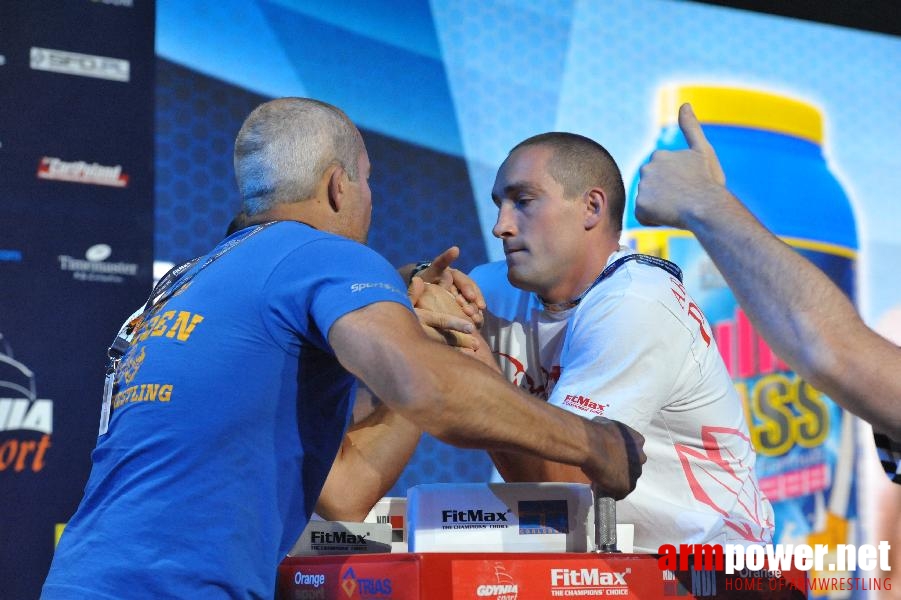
285,146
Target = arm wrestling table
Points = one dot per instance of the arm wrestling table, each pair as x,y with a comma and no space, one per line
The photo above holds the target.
516,576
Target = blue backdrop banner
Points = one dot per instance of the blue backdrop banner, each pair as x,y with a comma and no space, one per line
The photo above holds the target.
76,249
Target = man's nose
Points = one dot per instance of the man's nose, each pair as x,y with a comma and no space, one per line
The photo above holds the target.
504,226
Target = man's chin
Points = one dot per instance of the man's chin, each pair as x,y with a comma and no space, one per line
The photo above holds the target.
517,279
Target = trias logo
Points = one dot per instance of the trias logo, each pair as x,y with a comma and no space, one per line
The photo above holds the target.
83,65
583,403
368,587
80,171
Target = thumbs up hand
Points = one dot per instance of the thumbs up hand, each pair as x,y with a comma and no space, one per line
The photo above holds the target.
675,183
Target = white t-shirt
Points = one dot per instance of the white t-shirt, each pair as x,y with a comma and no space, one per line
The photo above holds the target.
637,349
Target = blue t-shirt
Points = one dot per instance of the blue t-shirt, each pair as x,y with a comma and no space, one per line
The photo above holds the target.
229,411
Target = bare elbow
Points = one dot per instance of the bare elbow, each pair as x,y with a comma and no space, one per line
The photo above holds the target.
351,508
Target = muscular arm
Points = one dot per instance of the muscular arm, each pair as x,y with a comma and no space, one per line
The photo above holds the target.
522,467
805,318
379,443
372,456
465,403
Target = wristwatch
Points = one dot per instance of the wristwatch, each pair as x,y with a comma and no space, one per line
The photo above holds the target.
419,268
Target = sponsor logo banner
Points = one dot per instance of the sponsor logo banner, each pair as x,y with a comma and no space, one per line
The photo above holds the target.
122,3
535,578
349,577
475,518
80,171
93,267
82,65
26,421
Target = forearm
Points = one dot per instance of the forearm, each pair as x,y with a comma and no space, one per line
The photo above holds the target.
372,456
437,387
516,467
790,300
807,320
467,404
506,419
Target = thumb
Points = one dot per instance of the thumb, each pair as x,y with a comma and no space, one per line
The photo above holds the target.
691,129
697,141
415,290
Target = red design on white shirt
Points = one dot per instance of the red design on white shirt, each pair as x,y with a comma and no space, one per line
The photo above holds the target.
704,473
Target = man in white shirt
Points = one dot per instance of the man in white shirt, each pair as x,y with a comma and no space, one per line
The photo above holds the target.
578,320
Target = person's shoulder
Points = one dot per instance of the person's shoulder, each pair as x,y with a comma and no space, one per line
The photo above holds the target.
645,275
294,234
490,270
297,247
301,233
636,284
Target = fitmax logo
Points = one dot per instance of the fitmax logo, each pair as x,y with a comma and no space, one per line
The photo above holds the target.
336,537
473,516
586,577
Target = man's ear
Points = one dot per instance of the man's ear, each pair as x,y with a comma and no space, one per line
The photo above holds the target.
595,207
337,179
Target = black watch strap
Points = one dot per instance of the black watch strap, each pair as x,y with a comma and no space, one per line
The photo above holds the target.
419,268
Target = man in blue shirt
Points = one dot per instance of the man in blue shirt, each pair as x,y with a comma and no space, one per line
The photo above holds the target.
228,406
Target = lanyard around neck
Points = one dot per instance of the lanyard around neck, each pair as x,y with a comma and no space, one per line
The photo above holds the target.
644,259
170,283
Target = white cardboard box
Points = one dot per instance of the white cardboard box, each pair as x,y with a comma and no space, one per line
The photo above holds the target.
500,517
392,510
342,537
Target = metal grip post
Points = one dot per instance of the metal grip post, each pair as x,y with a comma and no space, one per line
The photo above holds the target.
604,523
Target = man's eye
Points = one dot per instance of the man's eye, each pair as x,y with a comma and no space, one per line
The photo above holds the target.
522,200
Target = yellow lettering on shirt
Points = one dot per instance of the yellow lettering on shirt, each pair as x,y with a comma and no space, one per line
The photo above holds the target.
162,323
184,325
144,392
